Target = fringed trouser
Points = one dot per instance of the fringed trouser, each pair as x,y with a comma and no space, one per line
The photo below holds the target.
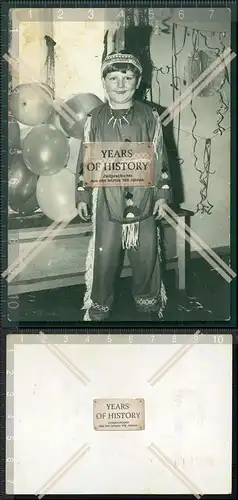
104,259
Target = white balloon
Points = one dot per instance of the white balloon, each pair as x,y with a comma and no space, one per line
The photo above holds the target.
56,195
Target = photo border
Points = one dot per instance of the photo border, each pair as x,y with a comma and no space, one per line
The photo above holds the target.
232,322
4,428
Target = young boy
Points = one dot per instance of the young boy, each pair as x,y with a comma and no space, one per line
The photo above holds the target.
124,218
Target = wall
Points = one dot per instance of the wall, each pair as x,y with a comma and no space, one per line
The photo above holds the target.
27,43
214,228
79,48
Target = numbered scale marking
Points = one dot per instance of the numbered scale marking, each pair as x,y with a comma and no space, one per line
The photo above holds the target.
129,338
10,459
210,11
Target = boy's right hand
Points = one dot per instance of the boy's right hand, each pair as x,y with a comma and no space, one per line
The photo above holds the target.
83,210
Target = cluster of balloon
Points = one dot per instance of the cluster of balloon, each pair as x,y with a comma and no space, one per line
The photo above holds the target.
56,194
29,104
38,177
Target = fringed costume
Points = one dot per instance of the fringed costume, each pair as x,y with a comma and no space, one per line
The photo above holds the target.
122,218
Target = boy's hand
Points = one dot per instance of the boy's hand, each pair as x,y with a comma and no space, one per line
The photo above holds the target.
159,209
83,210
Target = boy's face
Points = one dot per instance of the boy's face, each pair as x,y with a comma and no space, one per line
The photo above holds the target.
120,87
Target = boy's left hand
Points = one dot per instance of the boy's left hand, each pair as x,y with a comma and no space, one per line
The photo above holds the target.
159,209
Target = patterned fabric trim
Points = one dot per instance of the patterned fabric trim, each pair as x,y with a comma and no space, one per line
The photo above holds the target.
159,243
90,258
121,58
147,302
156,304
91,249
99,307
158,135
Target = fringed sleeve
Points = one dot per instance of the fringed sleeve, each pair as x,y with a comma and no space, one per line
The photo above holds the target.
82,193
163,188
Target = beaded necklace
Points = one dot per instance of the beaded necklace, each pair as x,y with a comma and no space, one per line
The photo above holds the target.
119,120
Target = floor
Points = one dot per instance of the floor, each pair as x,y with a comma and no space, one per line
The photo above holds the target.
208,299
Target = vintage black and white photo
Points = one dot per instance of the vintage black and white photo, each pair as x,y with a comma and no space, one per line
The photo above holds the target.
153,252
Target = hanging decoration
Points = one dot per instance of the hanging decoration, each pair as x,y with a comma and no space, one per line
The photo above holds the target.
129,18
119,36
171,70
164,28
176,81
50,62
224,103
137,42
204,205
161,26
105,45
199,60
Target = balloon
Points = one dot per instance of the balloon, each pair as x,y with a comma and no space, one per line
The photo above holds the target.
75,145
21,182
25,129
27,208
45,150
56,195
89,101
81,105
13,133
31,103
55,120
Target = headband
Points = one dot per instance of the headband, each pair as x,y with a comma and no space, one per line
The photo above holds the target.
121,58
